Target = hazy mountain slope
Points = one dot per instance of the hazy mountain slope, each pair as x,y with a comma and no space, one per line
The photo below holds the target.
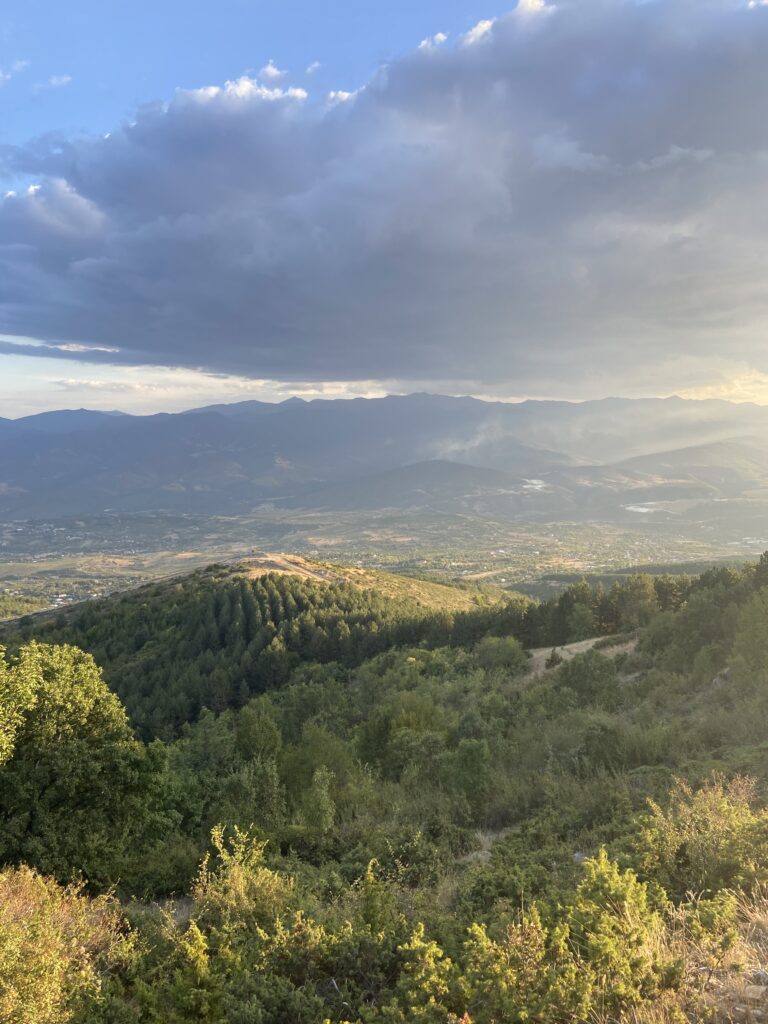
719,470
434,484
555,459
129,464
208,461
728,466
615,429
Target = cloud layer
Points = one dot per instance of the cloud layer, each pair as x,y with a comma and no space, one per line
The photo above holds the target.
565,189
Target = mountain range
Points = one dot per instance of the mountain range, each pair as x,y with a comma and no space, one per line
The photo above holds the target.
612,459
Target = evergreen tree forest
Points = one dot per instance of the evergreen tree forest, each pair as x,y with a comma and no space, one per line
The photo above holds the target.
217,638
275,801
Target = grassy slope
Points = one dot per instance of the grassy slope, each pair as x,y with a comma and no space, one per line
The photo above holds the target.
428,595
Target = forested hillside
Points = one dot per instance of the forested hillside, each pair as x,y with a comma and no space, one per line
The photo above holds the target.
378,813
218,637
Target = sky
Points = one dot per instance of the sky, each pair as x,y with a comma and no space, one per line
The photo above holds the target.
204,202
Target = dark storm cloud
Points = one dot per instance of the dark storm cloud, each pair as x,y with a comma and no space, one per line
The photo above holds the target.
572,186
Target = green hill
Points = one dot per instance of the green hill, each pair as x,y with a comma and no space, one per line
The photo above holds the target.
219,636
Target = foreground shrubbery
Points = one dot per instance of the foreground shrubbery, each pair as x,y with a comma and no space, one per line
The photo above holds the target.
58,949
427,834
253,945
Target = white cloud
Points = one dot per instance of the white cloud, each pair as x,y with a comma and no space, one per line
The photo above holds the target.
575,202
738,384
528,7
432,41
340,96
149,389
6,74
478,32
73,346
239,89
53,82
271,72
313,67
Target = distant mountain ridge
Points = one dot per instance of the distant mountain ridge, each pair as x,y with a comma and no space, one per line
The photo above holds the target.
510,460
58,421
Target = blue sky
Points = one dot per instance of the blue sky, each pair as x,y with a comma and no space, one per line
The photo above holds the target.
90,63
545,198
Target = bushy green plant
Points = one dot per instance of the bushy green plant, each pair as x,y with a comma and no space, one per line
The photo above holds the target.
56,948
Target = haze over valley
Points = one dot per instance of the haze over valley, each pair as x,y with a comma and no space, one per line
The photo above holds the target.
452,486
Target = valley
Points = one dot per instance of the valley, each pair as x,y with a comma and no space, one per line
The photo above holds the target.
450,488
53,562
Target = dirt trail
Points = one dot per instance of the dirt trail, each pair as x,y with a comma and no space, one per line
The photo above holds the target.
537,664
292,565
